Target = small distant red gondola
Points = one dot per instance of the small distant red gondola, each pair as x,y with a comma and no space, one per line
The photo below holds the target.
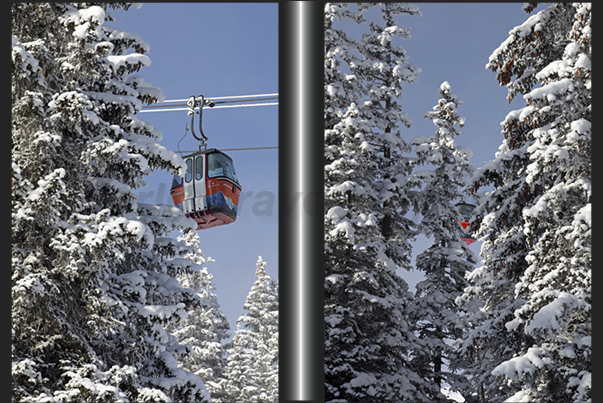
209,191
465,211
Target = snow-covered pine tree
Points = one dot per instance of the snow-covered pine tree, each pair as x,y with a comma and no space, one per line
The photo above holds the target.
252,371
531,46
93,271
533,292
205,328
339,88
438,320
383,69
367,334
555,289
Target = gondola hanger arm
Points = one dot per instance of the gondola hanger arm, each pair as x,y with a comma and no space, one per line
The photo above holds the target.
200,102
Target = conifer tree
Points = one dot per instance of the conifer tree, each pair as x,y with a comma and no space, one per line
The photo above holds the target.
367,334
339,87
93,271
555,289
531,335
252,371
446,262
205,328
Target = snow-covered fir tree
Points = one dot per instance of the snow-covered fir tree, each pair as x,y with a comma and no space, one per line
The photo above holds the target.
93,271
555,289
252,370
205,328
340,89
531,46
445,263
532,317
382,70
367,305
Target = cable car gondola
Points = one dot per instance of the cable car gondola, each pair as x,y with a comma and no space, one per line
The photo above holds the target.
465,210
209,191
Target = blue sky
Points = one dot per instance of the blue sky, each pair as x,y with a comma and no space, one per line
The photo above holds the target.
223,49
452,42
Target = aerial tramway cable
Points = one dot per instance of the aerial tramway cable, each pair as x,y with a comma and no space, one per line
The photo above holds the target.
181,105
181,108
235,149
226,97
178,105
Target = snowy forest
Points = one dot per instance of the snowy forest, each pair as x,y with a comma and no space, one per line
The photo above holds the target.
112,298
512,325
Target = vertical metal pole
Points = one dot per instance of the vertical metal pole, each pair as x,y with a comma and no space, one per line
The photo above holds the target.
301,199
